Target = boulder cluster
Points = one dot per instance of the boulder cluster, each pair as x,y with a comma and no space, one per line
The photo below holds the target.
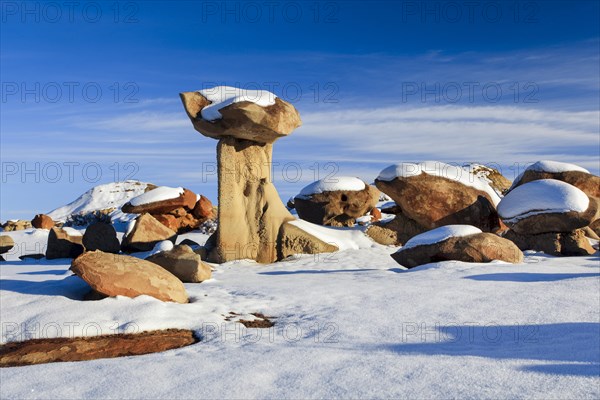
436,211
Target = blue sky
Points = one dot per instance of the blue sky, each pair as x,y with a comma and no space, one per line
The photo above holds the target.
89,91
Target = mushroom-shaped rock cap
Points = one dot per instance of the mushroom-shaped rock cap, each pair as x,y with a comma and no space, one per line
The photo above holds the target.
255,115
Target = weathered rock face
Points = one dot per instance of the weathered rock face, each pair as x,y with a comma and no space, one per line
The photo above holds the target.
337,208
293,240
250,212
588,183
477,248
395,232
244,120
42,221
554,243
40,351
63,245
17,225
6,243
146,233
101,236
182,262
186,199
595,226
434,201
119,275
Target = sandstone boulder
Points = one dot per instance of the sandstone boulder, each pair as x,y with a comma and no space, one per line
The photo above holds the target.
554,243
239,116
182,262
569,173
145,233
160,200
16,225
444,244
337,202
203,208
6,243
495,179
547,205
64,243
42,221
293,240
435,194
120,275
101,236
395,232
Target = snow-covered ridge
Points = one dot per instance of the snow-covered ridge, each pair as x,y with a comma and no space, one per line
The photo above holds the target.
160,193
555,167
436,168
346,183
222,96
541,197
110,195
440,234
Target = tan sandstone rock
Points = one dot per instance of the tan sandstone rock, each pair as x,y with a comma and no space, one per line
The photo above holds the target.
17,225
395,232
244,120
434,201
338,207
146,233
497,181
120,275
554,243
184,263
477,248
6,243
293,240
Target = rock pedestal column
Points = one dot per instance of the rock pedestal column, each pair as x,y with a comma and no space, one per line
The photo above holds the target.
252,217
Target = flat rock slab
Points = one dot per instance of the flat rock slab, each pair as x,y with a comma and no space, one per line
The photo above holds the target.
41,351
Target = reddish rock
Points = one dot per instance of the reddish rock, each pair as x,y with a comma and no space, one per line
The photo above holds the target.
186,199
588,183
434,201
40,351
203,208
42,221
120,275
375,214
168,220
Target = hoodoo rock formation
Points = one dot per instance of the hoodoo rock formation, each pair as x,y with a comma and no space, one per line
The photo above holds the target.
251,214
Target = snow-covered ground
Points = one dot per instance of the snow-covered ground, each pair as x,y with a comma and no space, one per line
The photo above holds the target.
352,324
